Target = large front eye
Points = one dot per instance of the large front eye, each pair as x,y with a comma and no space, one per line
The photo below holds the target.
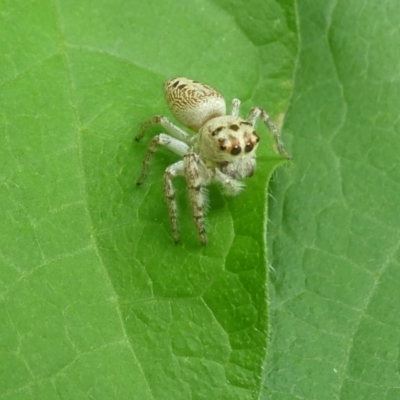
236,150
249,147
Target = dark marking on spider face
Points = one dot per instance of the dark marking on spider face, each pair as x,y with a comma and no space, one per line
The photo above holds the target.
246,123
234,127
216,131
182,86
175,84
256,135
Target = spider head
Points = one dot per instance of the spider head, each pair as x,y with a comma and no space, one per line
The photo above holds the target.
227,139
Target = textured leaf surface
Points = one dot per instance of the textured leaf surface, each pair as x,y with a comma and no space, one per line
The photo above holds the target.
96,301
335,223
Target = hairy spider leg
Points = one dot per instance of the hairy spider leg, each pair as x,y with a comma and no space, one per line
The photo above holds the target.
169,126
258,112
235,107
192,165
171,172
175,145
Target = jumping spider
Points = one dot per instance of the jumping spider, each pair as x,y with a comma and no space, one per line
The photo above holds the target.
222,151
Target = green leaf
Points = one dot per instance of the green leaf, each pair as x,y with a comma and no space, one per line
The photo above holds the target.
96,300
335,222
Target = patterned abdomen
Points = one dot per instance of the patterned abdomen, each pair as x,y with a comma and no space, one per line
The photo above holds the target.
193,103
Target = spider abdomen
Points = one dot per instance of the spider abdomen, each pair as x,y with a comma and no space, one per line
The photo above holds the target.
193,103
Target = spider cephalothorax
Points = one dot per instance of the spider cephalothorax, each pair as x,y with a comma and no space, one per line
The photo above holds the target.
222,151
226,139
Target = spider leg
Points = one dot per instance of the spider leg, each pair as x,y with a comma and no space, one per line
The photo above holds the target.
170,143
192,168
169,126
171,172
235,107
258,112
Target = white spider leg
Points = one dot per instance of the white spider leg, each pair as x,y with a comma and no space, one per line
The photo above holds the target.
231,186
192,168
171,172
257,112
235,107
170,143
169,126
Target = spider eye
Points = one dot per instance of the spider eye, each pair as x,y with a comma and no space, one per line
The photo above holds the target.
236,150
249,147
222,147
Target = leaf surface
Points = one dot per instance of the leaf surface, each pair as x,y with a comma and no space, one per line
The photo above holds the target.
335,222
96,300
